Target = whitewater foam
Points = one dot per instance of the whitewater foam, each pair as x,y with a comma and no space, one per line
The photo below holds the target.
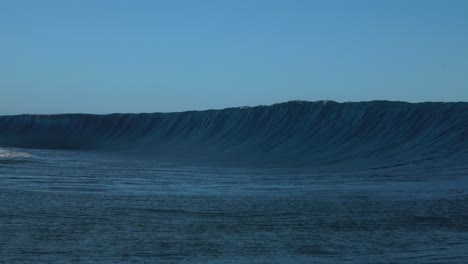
13,154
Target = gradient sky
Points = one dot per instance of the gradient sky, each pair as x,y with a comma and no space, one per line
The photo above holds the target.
159,56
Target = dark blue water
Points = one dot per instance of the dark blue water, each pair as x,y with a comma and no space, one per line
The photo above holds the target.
377,182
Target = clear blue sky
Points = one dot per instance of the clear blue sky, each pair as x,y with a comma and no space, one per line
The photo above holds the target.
151,56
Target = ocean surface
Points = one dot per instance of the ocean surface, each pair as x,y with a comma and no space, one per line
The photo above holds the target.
296,182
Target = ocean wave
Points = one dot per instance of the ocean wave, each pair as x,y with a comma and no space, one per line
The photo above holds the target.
296,132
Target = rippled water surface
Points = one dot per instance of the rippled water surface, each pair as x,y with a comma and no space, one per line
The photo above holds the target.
65,207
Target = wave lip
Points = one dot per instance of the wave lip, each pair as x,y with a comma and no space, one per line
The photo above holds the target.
296,132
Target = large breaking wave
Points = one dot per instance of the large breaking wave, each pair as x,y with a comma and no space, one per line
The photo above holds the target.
295,133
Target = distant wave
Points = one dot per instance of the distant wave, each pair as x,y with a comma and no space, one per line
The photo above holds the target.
297,132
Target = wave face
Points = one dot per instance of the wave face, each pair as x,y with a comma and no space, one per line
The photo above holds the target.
301,133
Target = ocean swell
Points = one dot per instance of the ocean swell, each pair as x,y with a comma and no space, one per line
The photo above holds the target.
294,133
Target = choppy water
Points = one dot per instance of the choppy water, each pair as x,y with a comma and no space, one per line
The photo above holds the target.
70,206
